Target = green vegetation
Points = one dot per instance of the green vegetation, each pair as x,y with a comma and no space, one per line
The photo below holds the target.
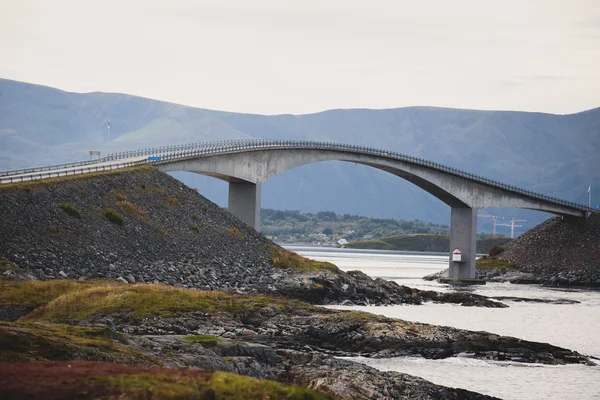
114,216
487,263
304,227
235,231
195,228
146,300
117,194
405,242
70,209
485,244
31,341
204,340
496,250
205,385
281,258
36,293
438,243
132,209
194,217
174,201
160,229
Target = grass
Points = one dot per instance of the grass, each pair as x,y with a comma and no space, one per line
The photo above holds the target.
236,232
117,194
488,263
147,300
70,209
204,385
114,216
204,340
173,201
195,228
160,229
130,208
36,293
31,341
281,258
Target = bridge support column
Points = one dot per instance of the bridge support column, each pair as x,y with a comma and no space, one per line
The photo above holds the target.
463,231
244,202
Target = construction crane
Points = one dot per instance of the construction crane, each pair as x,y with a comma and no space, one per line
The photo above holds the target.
494,217
513,226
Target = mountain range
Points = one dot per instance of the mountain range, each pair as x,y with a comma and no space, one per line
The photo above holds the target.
557,155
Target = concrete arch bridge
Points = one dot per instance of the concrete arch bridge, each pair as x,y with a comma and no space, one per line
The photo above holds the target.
246,164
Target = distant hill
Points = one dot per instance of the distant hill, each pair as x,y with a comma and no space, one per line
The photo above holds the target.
438,243
552,154
295,227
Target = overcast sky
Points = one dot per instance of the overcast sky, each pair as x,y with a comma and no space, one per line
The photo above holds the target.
278,56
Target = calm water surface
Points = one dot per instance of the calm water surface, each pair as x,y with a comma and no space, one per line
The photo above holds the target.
573,326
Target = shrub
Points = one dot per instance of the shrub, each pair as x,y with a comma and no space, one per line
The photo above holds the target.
496,250
114,216
70,209
174,201
194,217
195,228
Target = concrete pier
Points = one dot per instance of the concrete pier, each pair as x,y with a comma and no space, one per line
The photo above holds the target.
463,231
244,202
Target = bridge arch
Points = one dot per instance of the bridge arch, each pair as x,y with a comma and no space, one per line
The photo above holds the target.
247,164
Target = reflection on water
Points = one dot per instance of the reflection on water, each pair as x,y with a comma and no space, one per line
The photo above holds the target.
573,326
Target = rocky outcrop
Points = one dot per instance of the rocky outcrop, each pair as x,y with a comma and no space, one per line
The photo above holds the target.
167,233
560,251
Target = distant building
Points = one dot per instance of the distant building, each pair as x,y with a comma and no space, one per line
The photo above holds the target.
342,242
368,237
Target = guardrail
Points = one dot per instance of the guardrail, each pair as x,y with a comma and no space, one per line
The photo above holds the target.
54,174
181,152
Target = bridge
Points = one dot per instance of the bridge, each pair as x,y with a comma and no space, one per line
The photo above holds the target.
246,164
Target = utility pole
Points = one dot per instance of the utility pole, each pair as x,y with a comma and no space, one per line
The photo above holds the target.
108,134
590,196
494,217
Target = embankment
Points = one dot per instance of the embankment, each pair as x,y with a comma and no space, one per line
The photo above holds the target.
140,225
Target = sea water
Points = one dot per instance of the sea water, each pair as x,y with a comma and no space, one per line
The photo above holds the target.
572,326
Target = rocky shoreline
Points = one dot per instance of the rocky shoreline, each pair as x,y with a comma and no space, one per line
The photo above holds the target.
261,336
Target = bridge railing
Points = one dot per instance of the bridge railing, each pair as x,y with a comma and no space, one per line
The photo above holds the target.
83,170
185,151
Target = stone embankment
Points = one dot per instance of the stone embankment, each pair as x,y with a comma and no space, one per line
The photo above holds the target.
558,252
142,226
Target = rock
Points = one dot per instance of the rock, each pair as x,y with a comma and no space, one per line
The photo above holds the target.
120,279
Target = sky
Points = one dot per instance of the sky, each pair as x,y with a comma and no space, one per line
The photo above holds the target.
279,56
